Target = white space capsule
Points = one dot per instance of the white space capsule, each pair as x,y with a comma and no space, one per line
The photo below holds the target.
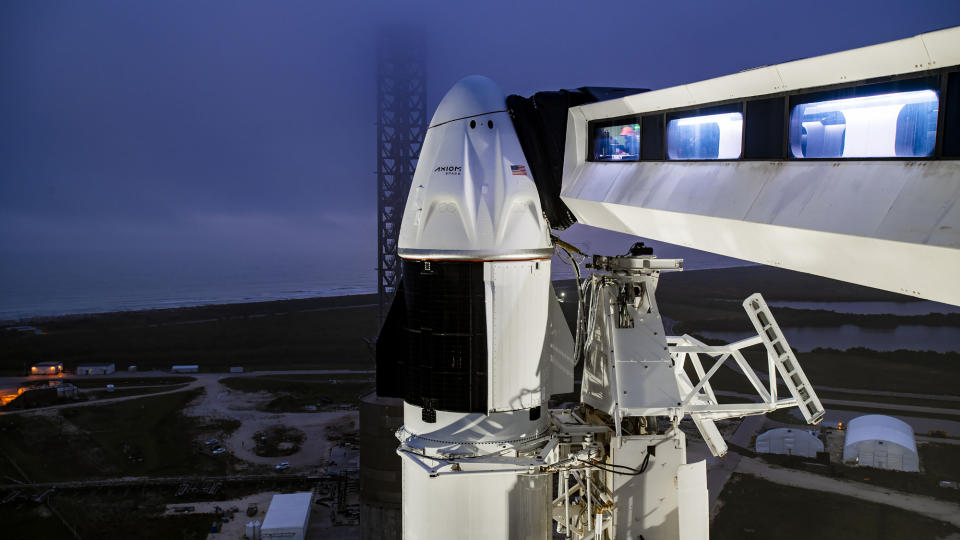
475,342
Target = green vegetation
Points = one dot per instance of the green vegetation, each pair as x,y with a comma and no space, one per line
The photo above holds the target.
890,400
102,516
126,392
786,416
315,333
294,392
40,397
917,372
940,461
774,283
937,462
101,382
789,317
278,441
896,371
142,437
755,508
892,412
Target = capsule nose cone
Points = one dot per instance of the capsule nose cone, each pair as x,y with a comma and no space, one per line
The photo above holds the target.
471,96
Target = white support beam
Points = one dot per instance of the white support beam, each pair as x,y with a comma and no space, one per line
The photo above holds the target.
892,224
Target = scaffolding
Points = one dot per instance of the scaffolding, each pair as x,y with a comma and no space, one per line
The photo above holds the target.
401,124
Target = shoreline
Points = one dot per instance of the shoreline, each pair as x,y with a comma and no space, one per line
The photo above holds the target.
774,283
338,300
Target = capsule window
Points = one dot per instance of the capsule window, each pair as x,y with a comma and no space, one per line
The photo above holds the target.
620,142
894,124
709,136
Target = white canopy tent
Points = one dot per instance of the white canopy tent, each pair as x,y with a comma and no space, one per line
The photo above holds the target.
881,441
789,441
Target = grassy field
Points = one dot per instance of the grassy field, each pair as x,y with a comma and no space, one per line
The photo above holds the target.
703,299
892,400
101,517
144,437
734,320
124,388
774,283
94,382
754,508
125,512
292,393
918,372
315,333
126,392
937,461
896,371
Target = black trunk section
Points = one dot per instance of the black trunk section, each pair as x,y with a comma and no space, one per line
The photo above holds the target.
432,351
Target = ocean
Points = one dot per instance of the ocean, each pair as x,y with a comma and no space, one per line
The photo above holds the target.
52,285
85,285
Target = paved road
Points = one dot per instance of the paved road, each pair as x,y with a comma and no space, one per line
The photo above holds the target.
858,403
202,379
891,406
927,506
938,440
932,397
151,481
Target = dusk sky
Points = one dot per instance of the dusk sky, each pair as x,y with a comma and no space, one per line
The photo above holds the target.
221,134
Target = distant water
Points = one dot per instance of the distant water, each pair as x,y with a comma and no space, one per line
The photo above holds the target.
41,287
91,286
911,337
920,307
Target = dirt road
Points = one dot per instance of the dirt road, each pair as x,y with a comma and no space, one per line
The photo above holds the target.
927,506
220,402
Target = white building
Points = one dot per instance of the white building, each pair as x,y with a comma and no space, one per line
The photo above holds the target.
287,517
881,441
185,369
789,441
96,369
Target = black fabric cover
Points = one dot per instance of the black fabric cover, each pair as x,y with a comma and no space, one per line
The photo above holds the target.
432,351
541,125
764,129
951,118
390,344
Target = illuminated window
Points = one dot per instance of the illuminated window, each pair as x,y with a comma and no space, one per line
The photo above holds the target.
898,124
712,136
617,143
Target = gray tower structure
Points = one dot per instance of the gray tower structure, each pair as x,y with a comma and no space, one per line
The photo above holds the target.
401,125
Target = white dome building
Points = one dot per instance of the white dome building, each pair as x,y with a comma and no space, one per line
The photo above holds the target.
882,442
789,441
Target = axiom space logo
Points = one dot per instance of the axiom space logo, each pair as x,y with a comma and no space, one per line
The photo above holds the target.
448,170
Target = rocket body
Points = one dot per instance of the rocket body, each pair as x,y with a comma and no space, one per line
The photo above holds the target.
474,342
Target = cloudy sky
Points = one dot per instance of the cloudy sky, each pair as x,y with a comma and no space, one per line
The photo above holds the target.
219,133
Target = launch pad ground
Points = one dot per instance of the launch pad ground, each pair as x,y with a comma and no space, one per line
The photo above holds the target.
71,442
758,508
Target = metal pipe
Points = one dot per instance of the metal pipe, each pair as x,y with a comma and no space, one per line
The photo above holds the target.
566,503
589,498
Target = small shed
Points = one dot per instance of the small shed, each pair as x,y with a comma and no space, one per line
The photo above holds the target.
185,369
47,368
287,517
96,369
789,441
882,442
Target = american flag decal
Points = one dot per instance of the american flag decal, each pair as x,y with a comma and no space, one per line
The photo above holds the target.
518,169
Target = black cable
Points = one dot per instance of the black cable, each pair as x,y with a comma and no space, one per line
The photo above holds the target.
615,466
